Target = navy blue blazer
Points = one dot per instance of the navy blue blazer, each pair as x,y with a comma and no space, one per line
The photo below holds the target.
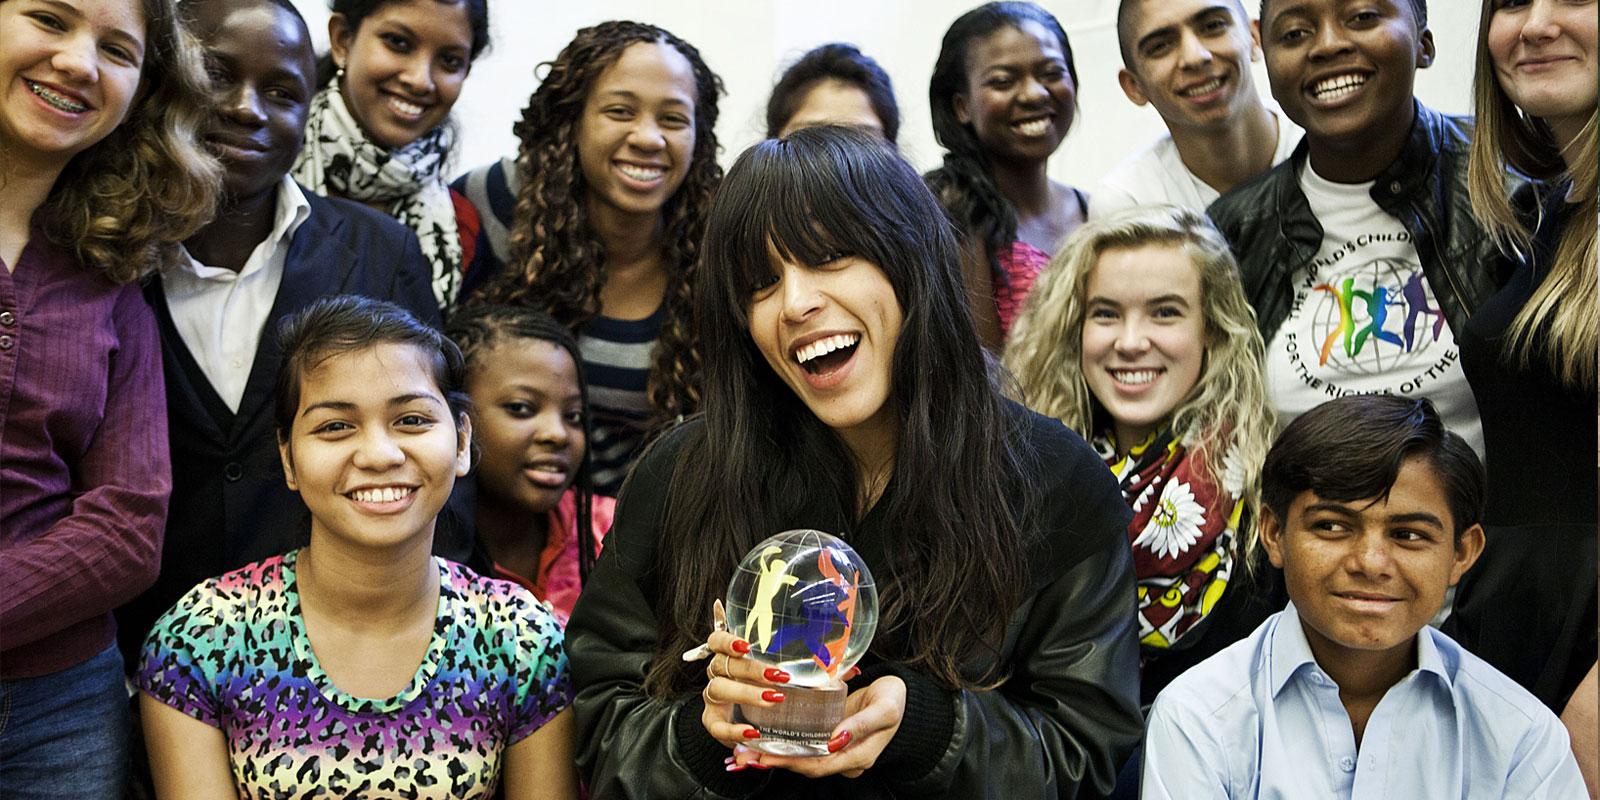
230,505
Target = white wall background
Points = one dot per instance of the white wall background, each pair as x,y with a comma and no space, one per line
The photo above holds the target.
748,42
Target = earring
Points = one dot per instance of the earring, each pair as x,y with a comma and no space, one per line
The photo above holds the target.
338,74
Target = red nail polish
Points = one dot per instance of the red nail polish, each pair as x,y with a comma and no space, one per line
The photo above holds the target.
838,742
727,761
741,646
776,675
752,733
772,696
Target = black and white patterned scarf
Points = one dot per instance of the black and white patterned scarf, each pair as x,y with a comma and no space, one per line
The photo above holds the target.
339,158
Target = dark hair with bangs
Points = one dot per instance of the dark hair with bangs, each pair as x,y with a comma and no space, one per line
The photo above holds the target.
816,194
478,329
1352,448
347,323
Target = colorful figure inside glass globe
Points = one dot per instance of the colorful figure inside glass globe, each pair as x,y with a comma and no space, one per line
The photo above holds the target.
806,603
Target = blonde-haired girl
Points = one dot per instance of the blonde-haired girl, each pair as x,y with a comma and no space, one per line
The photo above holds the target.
1139,338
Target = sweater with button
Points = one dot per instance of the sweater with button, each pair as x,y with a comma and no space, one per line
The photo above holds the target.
84,468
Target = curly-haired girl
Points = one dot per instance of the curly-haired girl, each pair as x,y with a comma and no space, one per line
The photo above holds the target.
1003,95
598,221
379,132
1139,338
102,174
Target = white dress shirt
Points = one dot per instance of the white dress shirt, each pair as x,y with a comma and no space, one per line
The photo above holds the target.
220,313
1261,719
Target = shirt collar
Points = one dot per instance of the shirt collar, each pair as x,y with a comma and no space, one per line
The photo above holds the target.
1291,652
290,211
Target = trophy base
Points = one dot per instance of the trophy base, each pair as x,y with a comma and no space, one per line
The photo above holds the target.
800,725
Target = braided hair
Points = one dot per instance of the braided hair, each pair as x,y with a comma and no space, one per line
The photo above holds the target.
477,329
964,184
557,261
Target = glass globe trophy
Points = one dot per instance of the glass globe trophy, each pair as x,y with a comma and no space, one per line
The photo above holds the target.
807,605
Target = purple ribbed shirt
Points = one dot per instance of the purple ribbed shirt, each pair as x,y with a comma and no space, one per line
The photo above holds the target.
84,469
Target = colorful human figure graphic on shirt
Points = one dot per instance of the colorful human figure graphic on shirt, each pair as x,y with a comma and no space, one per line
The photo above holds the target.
1412,295
1416,296
1377,301
772,580
1342,294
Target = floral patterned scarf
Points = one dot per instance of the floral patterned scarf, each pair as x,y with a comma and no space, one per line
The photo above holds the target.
1183,532
339,158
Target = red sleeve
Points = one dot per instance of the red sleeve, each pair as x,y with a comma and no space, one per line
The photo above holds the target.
108,549
468,224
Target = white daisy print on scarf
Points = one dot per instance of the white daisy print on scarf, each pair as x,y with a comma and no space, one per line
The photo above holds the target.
1176,523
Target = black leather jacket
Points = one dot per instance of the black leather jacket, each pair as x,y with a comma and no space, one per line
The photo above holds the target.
1060,726
1269,223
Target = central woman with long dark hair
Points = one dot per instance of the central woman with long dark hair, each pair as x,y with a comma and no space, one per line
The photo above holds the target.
849,393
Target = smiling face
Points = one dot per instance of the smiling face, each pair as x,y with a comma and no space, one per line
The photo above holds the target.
404,67
1143,336
1344,71
69,72
833,102
1544,57
829,332
1191,60
636,136
374,450
260,62
1019,95
530,422
1367,575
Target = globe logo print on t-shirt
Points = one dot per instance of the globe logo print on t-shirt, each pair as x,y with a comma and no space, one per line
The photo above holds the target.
1375,317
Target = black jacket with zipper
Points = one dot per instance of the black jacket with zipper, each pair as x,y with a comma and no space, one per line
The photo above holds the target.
1274,234
1060,726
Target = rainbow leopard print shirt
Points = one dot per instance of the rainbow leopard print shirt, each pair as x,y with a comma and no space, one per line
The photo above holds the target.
233,653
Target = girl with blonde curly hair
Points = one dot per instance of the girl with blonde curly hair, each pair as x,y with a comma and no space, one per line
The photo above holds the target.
101,174
1530,353
1139,338
598,222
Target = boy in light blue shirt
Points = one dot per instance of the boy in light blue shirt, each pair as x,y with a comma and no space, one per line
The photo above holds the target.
1371,509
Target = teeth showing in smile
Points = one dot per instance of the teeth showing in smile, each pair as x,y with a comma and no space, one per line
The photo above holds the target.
405,108
822,347
1033,127
386,494
640,173
550,468
57,100
1135,377
1205,88
1337,86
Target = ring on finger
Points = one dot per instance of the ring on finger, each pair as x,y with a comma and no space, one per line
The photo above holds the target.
705,696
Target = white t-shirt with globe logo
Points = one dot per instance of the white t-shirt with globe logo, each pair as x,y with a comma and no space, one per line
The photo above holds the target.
1364,318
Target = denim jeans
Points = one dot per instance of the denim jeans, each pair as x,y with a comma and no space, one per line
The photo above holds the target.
65,734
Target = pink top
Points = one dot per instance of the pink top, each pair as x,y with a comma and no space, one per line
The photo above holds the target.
557,581
1021,263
